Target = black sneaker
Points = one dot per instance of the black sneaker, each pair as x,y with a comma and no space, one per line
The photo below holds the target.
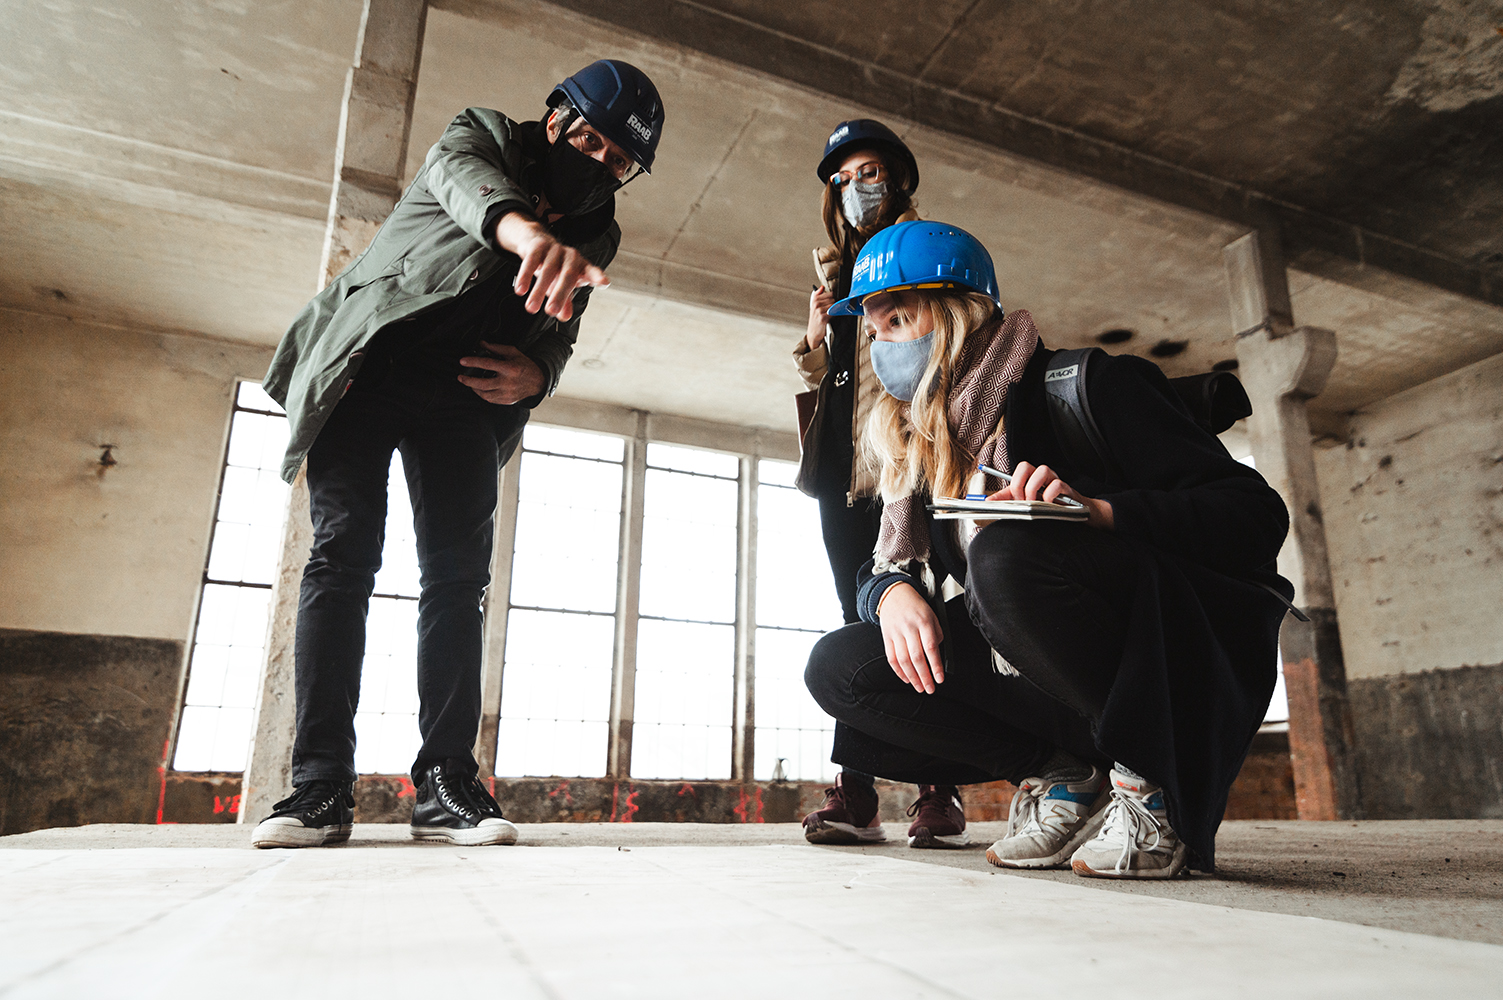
453,805
315,814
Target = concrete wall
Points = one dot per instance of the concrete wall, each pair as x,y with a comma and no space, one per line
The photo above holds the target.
1414,517
111,441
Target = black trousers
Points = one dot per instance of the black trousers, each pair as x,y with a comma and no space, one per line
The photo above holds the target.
850,535
1053,599
452,443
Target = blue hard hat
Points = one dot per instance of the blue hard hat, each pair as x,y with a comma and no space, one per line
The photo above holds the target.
864,133
919,255
620,102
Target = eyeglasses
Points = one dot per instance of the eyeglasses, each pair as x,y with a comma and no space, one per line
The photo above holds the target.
589,142
867,173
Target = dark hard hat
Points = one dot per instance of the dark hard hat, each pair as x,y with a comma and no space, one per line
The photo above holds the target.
620,102
864,133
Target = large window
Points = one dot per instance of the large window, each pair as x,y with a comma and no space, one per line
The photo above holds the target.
790,728
560,629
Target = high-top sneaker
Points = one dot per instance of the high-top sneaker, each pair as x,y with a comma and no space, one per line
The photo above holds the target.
938,818
1048,820
1136,840
453,805
849,816
316,814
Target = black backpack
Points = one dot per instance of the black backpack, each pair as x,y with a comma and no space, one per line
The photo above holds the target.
1216,400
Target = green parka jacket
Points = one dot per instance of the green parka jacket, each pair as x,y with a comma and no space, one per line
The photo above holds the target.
432,248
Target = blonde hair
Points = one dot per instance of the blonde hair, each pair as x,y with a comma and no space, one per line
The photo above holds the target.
910,445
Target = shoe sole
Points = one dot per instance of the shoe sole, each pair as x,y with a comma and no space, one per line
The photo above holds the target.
1176,864
931,841
1061,857
843,833
477,836
268,834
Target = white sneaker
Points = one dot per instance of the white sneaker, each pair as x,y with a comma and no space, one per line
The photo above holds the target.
1048,821
1136,840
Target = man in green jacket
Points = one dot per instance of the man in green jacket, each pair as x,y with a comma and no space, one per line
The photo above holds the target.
437,341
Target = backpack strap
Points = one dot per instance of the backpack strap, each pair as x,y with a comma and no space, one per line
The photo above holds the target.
1070,411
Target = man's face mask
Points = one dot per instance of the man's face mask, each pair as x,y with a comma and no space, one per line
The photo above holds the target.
899,364
576,183
860,202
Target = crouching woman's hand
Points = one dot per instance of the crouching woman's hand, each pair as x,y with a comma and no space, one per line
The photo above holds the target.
1030,482
911,633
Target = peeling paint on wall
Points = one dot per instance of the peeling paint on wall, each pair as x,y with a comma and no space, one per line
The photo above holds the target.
1459,61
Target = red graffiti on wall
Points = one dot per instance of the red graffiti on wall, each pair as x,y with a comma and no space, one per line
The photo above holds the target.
625,811
741,810
404,787
687,789
162,794
562,789
230,804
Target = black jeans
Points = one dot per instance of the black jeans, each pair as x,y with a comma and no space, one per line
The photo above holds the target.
452,443
850,534
1053,600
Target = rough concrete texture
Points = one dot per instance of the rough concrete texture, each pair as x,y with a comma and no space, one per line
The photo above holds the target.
1413,499
1430,744
1297,910
84,722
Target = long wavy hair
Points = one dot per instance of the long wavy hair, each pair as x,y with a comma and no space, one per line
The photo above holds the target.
845,238
910,445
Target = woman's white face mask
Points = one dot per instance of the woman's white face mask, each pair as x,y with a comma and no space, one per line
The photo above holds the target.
860,202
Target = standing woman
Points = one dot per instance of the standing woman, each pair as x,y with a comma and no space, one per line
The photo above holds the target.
1115,669
869,177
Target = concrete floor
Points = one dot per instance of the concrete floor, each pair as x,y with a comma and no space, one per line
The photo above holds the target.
1296,910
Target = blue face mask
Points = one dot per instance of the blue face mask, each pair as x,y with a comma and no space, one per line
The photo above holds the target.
900,364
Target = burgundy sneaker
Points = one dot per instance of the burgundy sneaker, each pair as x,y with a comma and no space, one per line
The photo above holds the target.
938,820
849,816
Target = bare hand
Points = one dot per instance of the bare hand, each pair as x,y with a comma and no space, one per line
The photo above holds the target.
551,270
1030,482
820,301
517,376
911,633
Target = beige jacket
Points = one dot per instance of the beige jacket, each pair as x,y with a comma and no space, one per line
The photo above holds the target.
813,365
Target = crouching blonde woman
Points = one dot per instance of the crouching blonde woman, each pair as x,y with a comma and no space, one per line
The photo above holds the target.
1114,668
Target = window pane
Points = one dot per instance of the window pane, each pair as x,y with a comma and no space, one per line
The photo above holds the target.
689,547
582,444
399,566
568,534
555,694
685,673
251,396
710,463
789,724
774,473
794,586
386,731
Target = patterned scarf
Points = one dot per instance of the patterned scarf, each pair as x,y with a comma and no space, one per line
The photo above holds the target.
991,363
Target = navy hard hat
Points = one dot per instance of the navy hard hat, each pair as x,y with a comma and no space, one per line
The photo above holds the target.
919,255
620,102
864,133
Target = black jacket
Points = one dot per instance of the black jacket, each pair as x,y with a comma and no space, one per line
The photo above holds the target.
1199,668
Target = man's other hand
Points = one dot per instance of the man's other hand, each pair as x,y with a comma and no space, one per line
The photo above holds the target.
550,271
517,376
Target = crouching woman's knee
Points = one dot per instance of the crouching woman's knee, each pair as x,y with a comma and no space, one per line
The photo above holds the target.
1010,565
834,662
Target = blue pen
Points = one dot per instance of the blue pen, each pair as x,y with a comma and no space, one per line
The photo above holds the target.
1007,481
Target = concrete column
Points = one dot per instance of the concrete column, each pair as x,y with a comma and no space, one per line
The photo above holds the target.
1282,367
374,123
268,774
497,605
744,706
628,594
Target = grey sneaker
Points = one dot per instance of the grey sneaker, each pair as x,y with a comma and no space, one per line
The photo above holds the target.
1049,820
1136,840
316,814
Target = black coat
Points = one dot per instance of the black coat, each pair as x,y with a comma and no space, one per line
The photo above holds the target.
1201,654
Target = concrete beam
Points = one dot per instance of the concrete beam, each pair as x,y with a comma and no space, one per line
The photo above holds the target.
628,594
1282,368
497,606
744,678
736,38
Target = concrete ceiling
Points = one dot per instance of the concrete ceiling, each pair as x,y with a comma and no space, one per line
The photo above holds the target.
169,166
